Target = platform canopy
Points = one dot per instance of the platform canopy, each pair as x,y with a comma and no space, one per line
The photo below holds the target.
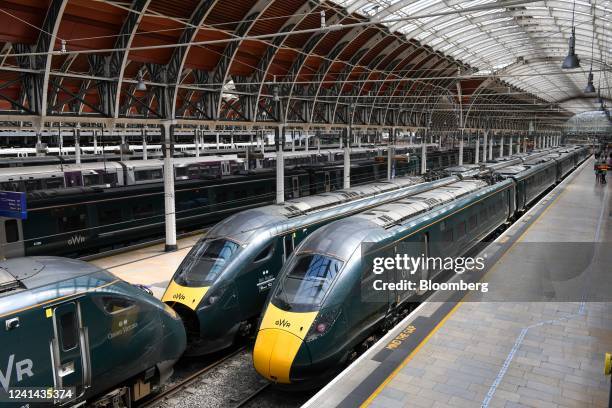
378,63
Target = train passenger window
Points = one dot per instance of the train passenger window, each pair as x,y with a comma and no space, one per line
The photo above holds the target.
288,241
70,220
68,330
54,183
483,213
109,216
92,180
472,222
143,210
11,229
265,253
33,185
447,235
110,178
460,229
113,305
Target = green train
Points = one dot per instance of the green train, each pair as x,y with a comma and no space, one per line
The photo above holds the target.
78,221
220,287
323,307
82,332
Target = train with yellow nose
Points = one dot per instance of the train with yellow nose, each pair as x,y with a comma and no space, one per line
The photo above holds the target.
325,306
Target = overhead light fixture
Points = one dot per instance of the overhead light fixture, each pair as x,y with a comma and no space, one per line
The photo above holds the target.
275,95
572,61
323,24
63,45
141,86
590,88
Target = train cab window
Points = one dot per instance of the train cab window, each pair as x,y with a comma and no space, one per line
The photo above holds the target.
472,222
206,261
308,280
110,178
11,229
68,330
265,253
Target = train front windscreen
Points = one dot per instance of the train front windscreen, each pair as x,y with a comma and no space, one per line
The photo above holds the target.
308,279
204,265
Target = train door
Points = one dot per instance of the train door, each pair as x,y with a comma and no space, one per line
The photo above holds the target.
327,182
288,245
295,186
70,348
73,179
11,238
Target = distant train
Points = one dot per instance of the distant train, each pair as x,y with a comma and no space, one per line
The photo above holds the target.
69,325
323,307
91,216
81,220
221,285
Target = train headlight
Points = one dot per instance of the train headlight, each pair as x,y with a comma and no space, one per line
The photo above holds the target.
216,294
323,323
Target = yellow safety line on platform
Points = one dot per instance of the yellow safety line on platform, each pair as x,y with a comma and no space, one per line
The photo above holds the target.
378,390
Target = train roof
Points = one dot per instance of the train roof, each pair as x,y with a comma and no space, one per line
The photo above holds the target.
32,272
239,227
394,213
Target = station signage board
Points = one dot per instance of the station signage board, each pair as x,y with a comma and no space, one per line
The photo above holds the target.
13,205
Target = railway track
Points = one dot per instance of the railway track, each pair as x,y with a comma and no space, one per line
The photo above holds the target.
247,400
190,379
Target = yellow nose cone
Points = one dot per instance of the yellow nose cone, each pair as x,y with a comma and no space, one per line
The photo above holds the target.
278,342
274,353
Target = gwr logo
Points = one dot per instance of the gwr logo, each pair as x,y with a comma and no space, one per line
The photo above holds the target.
77,239
22,367
282,323
178,296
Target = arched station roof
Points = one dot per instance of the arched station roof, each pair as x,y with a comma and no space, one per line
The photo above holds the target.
375,63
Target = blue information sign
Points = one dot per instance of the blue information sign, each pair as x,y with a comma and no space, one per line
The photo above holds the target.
13,205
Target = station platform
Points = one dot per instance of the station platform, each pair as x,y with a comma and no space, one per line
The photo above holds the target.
477,351
150,265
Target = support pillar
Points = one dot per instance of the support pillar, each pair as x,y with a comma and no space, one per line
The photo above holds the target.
510,151
477,148
491,147
145,153
170,212
77,146
423,158
95,142
460,163
197,137
347,161
306,141
501,146
390,155
39,145
279,134
218,146
484,146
